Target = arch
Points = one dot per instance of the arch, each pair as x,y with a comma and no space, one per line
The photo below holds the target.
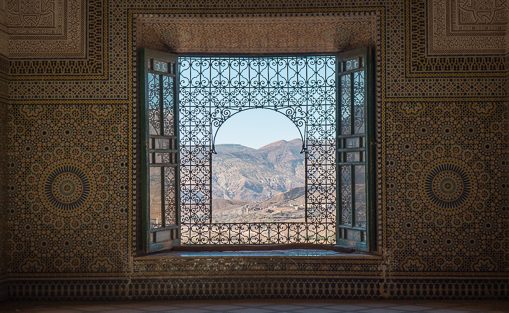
221,122
258,170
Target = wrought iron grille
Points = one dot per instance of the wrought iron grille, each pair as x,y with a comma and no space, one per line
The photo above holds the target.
212,89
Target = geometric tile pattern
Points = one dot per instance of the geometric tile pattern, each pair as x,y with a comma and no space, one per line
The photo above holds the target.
3,176
405,59
264,306
447,194
68,194
442,164
3,198
303,287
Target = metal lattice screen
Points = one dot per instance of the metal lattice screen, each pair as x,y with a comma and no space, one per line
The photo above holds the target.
211,89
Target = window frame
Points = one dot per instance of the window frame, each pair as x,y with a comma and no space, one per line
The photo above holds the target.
370,243
168,236
368,55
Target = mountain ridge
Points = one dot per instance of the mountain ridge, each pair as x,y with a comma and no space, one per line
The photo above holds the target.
244,173
264,184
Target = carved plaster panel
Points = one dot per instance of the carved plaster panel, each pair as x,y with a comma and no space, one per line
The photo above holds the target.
46,28
25,18
466,27
262,34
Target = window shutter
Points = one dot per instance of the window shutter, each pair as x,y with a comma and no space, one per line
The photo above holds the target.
355,150
159,150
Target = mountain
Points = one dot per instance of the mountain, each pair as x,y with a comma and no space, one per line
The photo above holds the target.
243,173
265,184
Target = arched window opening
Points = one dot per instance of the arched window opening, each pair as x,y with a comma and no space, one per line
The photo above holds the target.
258,171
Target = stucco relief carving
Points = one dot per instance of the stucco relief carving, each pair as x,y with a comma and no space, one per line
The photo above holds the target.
479,15
466,26
264,34
41,17
46,28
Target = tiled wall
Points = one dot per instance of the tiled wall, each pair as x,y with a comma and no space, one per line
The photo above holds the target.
3,145
3,181
3,198
442,133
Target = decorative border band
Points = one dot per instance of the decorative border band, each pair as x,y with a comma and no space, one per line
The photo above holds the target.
242,288
3,290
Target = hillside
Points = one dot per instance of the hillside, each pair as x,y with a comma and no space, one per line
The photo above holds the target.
265,184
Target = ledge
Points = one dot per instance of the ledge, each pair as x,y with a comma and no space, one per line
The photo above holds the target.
300,251
261,253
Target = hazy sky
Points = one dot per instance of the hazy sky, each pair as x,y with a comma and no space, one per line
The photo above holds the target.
256,128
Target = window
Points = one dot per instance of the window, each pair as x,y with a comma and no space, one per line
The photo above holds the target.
258,170
186,99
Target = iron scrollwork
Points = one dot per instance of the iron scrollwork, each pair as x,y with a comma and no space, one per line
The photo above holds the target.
211,90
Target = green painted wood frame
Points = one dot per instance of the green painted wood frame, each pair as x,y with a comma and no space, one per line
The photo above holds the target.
166,236
367,239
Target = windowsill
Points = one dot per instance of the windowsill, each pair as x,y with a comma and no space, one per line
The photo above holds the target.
260,253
